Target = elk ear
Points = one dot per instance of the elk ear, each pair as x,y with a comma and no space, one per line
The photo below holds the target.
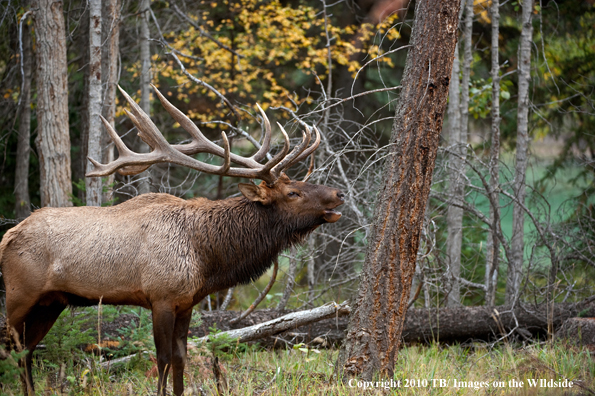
254,193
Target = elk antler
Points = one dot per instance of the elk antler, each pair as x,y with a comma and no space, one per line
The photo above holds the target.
131,163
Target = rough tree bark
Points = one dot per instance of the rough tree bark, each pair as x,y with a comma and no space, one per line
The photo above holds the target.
515,266
458,141
110,77
493,245
376,323
21,177
53,141
145,88
93,184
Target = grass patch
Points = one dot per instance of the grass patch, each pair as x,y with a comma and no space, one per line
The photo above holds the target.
420,370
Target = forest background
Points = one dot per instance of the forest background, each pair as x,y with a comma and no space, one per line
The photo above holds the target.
510,218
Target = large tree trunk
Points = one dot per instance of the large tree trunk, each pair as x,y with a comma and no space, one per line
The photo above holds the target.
21,177
53,141
377,322
110,77
145,88
515,265
458,140
493,245
93,184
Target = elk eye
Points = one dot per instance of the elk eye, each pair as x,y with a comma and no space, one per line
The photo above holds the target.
293,194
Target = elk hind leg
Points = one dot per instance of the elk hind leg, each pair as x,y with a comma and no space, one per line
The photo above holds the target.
179,343
163,328
31,331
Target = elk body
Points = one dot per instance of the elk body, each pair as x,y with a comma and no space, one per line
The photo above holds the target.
158,251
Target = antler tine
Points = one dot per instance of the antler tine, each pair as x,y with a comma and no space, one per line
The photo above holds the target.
125,154
266,141
308,151
147,130
310,169
122,149
297,150
226,158
200,142
276,159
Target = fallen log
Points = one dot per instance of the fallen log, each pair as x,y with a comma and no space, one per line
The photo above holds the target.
117,363
287,322
483,323
422,325
460,324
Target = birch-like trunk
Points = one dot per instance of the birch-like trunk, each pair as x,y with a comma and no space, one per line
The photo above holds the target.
374,333
458,142
290,280
110,76
493,245
93,184
515,265
53,140
145,88
21,177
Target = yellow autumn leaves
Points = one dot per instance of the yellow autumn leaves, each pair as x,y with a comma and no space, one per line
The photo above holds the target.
280,47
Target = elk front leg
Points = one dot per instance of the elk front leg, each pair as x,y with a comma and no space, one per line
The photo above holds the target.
179,343
163,329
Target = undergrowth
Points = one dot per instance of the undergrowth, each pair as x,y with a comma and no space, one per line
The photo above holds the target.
302,370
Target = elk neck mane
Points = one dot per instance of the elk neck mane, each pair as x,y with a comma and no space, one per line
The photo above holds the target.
239,239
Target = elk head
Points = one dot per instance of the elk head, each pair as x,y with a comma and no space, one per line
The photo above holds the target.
297,198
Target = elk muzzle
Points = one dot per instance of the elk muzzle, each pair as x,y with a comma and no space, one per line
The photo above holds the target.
331,215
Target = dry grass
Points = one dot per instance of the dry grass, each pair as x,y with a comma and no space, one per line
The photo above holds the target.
301,372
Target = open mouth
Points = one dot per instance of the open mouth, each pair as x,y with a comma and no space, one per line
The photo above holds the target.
331,215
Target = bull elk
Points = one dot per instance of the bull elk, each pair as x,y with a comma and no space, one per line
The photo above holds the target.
157,251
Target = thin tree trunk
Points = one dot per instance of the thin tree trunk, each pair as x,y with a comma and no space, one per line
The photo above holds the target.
110,76
290,281
375,327
311,267
145,88
493,246
21,177
93,184
454,101
454,216
53,141
515,266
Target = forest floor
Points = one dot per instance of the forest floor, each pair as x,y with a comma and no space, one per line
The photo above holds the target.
540,368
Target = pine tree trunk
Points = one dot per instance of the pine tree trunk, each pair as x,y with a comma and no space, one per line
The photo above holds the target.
376,323
53,140
515,266
145,88
93,184
21,177
110,77
493,245
458,140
